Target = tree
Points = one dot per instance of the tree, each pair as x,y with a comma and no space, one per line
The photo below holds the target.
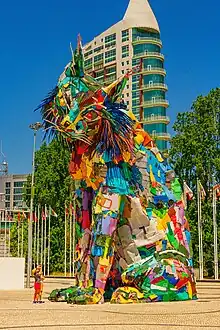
195,153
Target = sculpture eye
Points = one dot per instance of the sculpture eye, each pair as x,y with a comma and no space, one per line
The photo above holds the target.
81,126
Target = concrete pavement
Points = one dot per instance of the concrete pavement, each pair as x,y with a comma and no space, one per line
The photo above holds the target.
18,312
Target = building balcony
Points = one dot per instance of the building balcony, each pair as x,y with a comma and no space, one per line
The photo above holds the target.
161,136
153,86
149,40
151,70
156,119
149,54
156,103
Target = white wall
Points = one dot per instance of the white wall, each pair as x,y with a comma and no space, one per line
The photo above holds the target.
12,273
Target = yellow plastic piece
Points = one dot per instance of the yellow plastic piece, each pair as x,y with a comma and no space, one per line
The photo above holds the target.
189,289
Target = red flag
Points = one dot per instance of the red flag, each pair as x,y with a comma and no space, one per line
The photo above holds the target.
35,219
19,216
66,211
43,215
187,191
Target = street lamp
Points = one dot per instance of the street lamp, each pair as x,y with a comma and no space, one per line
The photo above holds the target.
35,127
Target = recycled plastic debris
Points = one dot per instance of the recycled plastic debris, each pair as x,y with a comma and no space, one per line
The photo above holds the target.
132,238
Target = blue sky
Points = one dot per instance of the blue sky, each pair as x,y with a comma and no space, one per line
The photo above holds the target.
34,49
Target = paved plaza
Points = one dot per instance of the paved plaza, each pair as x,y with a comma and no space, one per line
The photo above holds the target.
18,312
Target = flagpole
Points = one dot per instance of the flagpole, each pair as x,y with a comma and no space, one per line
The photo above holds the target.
74,220
1,222
5,246
42,237
65,239
70,218
200,232
184,195
35,235
48,260
215,229
18,249
9,238
45,239
22,238
38,232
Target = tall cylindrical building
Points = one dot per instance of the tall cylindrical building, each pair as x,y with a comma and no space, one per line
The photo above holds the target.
135,43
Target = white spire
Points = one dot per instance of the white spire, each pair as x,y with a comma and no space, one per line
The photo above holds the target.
140,14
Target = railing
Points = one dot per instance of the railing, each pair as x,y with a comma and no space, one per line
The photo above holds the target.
155,101
154,85
161,136
147,39
150,54
154,68
153,119
150,69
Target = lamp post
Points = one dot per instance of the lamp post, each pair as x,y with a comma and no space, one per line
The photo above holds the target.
35,127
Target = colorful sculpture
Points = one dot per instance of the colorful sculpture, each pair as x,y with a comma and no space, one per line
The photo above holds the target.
132,238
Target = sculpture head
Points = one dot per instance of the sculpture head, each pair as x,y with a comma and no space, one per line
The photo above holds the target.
87,114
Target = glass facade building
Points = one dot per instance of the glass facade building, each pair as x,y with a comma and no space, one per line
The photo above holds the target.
134,43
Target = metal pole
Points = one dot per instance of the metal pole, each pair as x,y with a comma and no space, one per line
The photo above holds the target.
215,229
200,232
74,220
18,249
184,195
35,236
9,238
65,240
48,260
38,232
45,239
22,238
5,245
1,212
42,238
70,217
29,263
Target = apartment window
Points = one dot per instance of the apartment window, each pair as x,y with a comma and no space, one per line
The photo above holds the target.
98,49
122,71
7,184
17,198
7,191
125,51
7,197
110,70
127,86
7,205
18,190
135,78
88,62
99,74
122,63
18,184
88,54
127,62
127,94
110,44
125,35
98,58
110,56
136,62
110,38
